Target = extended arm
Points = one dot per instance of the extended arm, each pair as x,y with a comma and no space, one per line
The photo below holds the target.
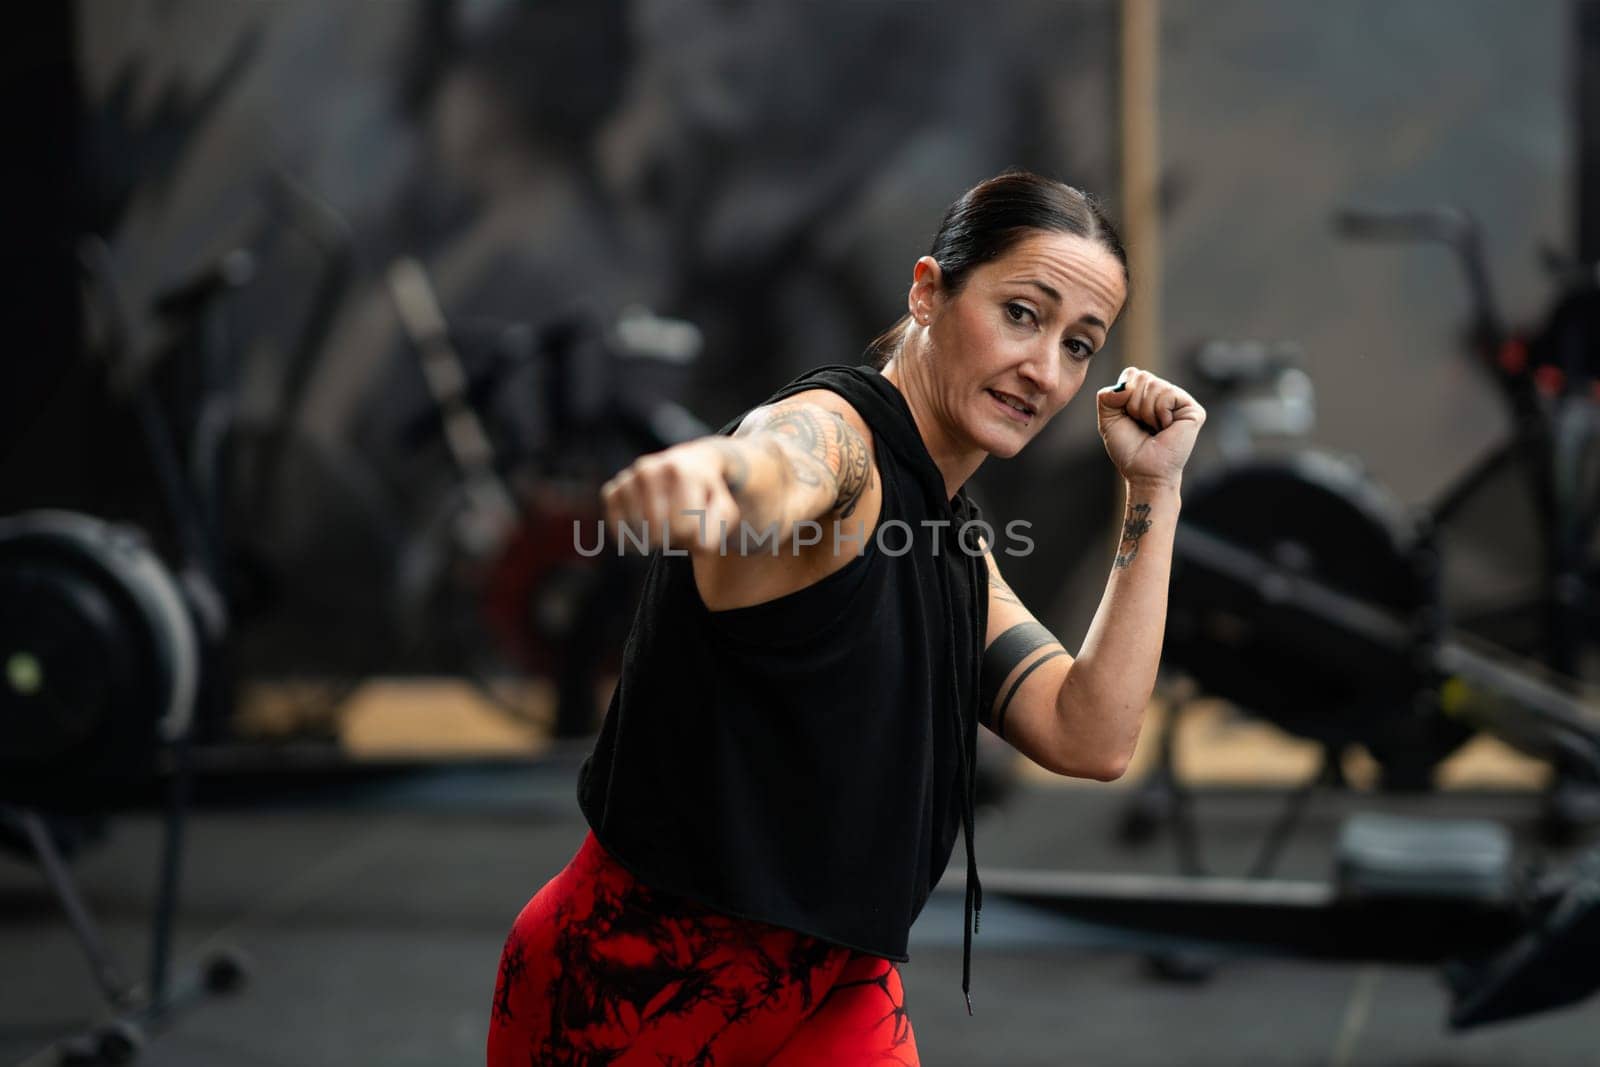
803,458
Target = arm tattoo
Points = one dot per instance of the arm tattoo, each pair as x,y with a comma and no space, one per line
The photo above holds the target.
1133,528
999,590
855,468
807,433
1003,656
817,448
1000,712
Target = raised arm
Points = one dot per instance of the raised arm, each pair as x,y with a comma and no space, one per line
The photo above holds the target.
804,458
1082,716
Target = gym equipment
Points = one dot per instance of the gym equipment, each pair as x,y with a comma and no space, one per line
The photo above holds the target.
496,581
1268,626
103,662
1406,891
1328,636
109,658
1548,379
1307,596
1482,686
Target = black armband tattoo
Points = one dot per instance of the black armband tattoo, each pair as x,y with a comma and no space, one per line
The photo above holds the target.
1002,657
1000,712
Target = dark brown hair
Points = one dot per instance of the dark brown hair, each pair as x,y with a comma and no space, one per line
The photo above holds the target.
988,219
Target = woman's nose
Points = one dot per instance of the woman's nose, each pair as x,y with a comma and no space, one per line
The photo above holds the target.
1043,369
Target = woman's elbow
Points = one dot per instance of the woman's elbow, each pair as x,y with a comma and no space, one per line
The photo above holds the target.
1094,753
1111,768
1098,767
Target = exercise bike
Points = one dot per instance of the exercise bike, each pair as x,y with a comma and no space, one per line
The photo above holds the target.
1306,595
115,658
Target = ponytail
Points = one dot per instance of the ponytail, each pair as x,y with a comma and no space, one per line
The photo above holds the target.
887,344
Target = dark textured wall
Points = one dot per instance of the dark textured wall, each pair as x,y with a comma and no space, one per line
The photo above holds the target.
770,171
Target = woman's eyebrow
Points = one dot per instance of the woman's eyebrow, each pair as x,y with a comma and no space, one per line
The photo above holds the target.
1054,296
1047,290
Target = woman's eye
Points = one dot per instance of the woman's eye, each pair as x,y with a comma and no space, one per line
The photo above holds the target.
1078,349
1019,313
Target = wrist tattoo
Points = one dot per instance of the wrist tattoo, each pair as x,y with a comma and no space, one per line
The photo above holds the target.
1135,526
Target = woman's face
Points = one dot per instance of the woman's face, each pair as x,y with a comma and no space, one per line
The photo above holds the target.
1018,335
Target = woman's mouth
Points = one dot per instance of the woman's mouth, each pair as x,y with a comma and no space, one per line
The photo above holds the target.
1014,407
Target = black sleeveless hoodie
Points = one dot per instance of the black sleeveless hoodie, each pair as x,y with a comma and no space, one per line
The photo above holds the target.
808,761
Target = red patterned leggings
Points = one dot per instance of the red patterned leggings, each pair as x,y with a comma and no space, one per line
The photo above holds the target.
599,969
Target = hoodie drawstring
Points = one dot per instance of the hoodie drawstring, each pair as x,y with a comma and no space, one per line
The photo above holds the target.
966,745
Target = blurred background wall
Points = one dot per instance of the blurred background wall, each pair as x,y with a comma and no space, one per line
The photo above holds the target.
1276,114
767,172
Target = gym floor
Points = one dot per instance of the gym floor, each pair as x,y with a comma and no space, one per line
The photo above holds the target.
374,918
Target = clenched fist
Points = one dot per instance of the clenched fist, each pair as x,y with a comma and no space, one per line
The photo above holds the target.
678,497
1149,426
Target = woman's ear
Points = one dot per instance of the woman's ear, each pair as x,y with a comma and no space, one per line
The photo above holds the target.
927,288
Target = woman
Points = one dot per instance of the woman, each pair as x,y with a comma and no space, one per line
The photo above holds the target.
787,759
